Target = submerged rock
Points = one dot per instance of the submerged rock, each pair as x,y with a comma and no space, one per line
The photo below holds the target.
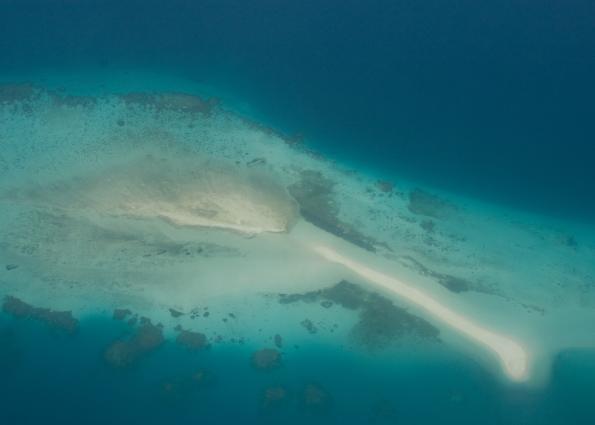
266,359
62,320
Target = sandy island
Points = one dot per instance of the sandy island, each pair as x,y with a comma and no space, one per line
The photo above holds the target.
153,202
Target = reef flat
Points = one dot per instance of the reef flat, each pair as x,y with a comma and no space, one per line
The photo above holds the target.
165,202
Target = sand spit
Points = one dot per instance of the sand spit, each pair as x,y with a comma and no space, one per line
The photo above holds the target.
514,358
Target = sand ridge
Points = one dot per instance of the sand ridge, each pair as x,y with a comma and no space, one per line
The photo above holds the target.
514,358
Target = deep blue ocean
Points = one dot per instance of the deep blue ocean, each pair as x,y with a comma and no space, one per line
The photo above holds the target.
495,99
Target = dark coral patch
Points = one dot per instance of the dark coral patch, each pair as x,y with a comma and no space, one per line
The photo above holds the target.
380,322
192,340
62,320
314,194
125,352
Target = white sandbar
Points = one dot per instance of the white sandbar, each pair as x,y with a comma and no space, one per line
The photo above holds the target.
512,355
